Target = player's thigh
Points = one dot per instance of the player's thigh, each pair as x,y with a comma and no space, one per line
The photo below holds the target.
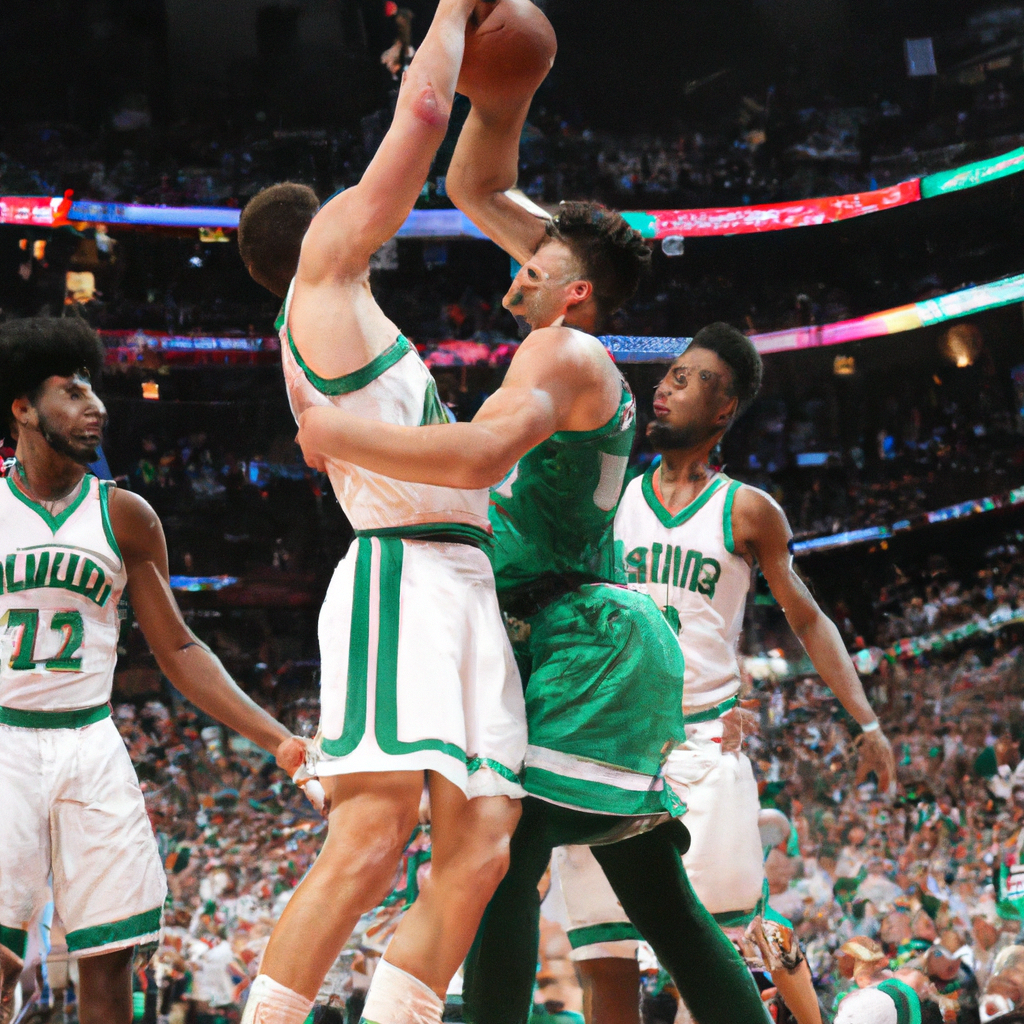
469,834
598,927
109,883
724,861
25,847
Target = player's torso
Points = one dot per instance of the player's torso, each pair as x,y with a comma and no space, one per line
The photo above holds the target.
693,573
394,387
62,579
553,514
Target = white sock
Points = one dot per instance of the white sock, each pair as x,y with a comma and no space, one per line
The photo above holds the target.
396,997
271,1003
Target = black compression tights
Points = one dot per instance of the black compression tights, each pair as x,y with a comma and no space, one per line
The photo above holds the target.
647,875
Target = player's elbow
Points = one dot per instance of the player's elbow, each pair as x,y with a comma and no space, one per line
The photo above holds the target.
487,467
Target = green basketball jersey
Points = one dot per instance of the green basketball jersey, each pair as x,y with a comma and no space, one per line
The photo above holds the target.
552,515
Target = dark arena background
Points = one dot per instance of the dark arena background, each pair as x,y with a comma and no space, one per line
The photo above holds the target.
840,179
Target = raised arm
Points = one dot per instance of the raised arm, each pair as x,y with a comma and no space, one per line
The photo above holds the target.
762,530
553,384
189,664
482,177
483,171
358,221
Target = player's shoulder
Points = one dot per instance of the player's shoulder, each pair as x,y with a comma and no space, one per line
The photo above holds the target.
132,518
755,513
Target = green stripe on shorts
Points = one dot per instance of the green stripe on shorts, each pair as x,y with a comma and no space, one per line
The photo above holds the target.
392,553
358,659
612,931
477,763
134,927
54,719
15,939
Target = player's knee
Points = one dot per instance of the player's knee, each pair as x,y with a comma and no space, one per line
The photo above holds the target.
480,864
365,867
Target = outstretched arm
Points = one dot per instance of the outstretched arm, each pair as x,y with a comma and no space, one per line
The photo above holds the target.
536,399
482,176
189,664
761,529
354,224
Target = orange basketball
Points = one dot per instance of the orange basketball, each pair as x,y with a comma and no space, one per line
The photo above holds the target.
507,54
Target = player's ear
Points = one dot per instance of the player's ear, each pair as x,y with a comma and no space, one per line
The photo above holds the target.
727,412
580,291
24,412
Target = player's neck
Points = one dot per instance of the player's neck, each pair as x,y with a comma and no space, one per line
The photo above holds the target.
682,475
43,473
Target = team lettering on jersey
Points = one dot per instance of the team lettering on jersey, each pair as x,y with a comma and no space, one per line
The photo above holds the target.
672,563
59,568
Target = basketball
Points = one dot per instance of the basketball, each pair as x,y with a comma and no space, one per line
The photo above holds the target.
508,52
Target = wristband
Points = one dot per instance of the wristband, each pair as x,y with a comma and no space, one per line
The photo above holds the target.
870,727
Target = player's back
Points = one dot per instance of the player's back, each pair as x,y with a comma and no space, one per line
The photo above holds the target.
394,387
552,515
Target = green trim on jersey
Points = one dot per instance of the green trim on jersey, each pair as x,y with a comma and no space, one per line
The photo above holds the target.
57,521
475,535
613,931
711,714
392,553
664,516
135,927
358,659
108,529
730,541
613,424
15,939
433,408
357,379
54,719
908,1004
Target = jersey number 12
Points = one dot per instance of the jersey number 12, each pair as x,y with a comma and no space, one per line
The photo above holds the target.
69,624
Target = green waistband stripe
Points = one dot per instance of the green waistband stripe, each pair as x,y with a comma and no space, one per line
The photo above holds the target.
710,714
613,931
15,939
54,719
426,531
135,927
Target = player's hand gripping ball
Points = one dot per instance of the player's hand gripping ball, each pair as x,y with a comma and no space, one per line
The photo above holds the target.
508,53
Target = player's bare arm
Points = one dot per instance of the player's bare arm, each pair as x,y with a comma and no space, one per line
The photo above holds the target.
762,535
556,382
189,664
484,166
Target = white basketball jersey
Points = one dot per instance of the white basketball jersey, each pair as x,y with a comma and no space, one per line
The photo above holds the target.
395,387
690,567
61,578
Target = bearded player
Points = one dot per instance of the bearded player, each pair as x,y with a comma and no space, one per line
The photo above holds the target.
602,670
693,536
417,672
70,545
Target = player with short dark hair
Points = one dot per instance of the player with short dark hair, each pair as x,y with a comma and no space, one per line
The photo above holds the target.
602,671
690,536
417,676
69,546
